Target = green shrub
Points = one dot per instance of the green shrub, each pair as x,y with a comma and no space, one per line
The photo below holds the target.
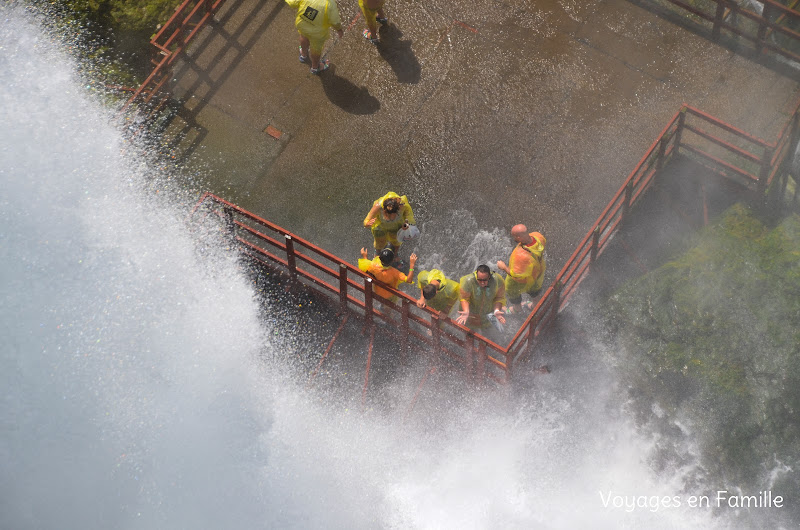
712,336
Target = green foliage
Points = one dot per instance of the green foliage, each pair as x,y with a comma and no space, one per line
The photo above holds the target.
713,336
112,35
115,16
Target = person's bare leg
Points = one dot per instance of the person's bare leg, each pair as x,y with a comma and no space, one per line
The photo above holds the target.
315,57
304,44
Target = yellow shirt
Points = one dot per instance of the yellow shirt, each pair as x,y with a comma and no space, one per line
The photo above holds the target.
404,214
388,275
315,17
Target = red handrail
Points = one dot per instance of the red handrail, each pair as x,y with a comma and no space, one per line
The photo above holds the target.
480,357
765,24
307,262
669,141
171,40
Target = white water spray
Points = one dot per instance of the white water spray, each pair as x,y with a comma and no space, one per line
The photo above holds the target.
136,391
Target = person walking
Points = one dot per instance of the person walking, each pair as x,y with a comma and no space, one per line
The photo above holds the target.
313,21
373,13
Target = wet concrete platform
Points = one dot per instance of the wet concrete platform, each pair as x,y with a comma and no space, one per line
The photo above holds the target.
485,113
683,198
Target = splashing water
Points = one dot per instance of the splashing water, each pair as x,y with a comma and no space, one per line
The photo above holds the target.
140,390
446,246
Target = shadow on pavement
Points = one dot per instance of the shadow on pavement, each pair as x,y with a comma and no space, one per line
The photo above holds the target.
220,48
399,55
347,96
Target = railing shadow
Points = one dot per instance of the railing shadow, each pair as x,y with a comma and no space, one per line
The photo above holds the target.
232,52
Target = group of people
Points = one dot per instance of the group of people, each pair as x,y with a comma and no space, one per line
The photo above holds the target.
315,18
482,295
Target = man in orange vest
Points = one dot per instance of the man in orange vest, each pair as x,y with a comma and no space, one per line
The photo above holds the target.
526,266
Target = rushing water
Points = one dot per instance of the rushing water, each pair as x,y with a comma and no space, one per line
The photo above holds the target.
139,388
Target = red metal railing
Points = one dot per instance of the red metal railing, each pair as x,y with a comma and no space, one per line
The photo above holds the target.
771,31
170,41
593,244
714,143
353,291
722,148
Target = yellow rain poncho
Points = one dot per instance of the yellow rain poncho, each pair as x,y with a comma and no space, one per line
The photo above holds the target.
446,295
527,266
384,229
481,300
314,19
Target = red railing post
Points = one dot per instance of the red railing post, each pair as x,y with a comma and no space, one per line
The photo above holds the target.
718,16
763,26
595,244
342,287
534,323
626,204
718,20
404,325
228,220
794,135
679,128
368,301
766,167
794,139
469,360
662,151
290,258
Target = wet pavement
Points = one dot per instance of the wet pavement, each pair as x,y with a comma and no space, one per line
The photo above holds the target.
485,113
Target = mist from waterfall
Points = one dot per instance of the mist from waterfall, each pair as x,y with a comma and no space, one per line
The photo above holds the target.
140,388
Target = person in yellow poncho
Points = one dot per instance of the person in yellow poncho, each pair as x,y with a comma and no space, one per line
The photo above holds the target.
481,292
526,266
313,20
373,13
438,291
387,216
